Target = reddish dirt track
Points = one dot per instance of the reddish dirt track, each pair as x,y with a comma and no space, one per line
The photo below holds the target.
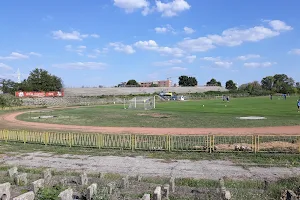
9,121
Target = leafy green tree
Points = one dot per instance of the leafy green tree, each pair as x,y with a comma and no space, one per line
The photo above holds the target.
41,80
186,81
8,86
298,87
267,83
132,82
213,82
279,83
230,85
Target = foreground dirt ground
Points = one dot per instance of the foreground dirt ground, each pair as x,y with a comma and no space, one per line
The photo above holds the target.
9,120
148,167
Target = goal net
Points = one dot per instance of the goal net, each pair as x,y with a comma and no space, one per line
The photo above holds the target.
142,103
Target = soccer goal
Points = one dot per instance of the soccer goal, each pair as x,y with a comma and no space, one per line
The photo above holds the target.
141,103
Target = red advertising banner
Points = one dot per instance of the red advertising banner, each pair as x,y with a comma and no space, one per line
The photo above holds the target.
39,94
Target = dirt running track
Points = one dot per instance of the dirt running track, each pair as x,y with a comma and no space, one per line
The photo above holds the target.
9,121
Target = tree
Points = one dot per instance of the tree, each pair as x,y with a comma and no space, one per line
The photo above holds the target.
213,82
187,81
41,80
279,83
230,85
8,86
267,83
298,87
132,82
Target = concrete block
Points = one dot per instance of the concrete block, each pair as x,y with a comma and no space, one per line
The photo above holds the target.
172,184
12,171
146,197
84,179
157,193
166,191
139,178
111,187
21,179
36,185
47,176
66,195
91,191
125,182
26,196
5,191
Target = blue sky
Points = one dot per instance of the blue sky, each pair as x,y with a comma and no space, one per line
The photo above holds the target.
105,42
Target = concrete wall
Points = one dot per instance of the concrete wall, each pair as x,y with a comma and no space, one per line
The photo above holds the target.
71,92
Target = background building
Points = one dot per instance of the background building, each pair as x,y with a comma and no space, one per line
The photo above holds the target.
166,83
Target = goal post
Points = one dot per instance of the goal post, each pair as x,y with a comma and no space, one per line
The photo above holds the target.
140,103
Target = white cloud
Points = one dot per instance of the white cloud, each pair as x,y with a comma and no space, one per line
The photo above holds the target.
232,37
295,51
118,46
35,54
5,67
153,46
95,35
259,65
168,62
74,35
172,8
211,58
279,25
81,65
190,59
247,57
178,68
14,56
97,52
200,44
79,49
132,5
168,9
165,29
188,30
223,64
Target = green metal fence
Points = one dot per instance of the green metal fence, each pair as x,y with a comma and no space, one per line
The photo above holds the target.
175,143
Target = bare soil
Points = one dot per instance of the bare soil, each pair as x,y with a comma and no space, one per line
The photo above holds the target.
133,166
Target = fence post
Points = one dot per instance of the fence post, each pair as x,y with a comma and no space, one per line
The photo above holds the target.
24,137
210,140
170,143
6,135
45,138
257,147
298,144
133,142
70,139
99,140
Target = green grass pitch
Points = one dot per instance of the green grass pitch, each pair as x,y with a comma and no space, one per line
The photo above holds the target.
188,114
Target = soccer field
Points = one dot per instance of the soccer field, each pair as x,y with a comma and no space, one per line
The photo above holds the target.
183,114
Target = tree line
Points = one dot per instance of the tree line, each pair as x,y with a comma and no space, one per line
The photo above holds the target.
38,80
279,83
